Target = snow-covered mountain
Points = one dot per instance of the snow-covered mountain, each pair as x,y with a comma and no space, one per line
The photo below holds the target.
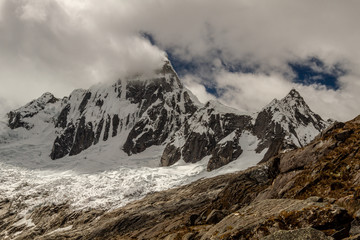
145,111
286,124
139,112
108,142
35,112
217,130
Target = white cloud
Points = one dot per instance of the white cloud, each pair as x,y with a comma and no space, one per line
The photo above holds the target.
64,44
193,83
34,10
251,92
58,46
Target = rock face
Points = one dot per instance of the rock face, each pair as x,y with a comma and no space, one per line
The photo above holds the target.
156,110
224,153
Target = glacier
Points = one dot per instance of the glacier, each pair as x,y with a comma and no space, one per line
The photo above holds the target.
104,177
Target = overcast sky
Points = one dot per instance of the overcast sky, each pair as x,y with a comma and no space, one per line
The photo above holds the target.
243,52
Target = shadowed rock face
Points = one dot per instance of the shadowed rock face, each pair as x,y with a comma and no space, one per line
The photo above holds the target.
170,156
61,145
307,192
62,118
224,153
84,137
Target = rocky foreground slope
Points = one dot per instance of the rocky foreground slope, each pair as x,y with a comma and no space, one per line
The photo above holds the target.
309,193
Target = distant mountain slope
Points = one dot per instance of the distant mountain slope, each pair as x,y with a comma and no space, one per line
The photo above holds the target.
145,111
34,113
216,130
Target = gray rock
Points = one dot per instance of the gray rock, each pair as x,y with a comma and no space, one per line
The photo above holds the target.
84,137
272,133
170,155
84,102
215,126
223,154
62,118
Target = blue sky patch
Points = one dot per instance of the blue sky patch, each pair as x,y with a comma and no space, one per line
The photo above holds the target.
314,71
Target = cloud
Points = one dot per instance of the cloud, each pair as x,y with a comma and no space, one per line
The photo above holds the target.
265,36
250,92
194,84
59,45
5,107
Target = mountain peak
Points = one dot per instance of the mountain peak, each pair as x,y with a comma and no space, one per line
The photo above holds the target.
164,74
289,119
169,72
293,98
294,93
291,106
21,117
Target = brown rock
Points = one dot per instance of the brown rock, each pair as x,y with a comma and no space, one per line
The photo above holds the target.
215,216
298,234
262,218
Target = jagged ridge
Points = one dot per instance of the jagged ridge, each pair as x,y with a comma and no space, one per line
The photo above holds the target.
215,130
22,117
142,111
154,110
